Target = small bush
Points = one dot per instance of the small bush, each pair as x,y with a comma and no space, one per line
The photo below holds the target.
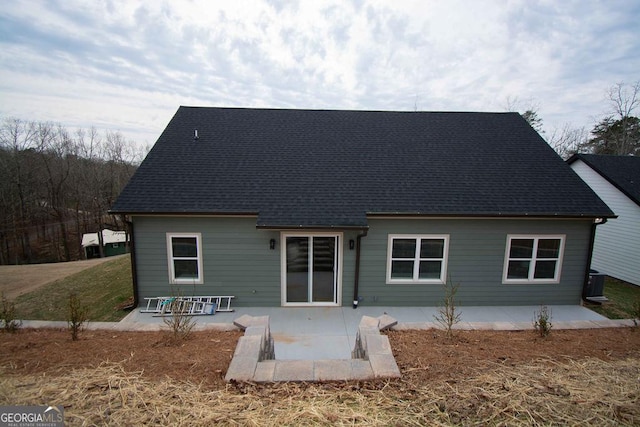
180,323
636,311
447,316
8,315
76,316
542,321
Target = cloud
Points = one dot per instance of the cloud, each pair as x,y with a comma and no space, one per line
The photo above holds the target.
128,65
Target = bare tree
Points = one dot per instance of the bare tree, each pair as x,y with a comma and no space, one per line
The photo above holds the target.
568,140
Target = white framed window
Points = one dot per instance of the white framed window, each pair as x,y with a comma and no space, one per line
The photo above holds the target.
184,253
533,259
417,258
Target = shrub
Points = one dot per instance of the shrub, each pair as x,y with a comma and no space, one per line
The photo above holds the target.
76,316
8,315
447,316
542,321
179,321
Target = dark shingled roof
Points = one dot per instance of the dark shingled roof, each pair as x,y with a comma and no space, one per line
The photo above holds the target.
621,171
317,168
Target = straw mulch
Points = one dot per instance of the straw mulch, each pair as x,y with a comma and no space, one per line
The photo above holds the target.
542,392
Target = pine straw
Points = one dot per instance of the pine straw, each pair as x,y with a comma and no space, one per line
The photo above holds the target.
589,391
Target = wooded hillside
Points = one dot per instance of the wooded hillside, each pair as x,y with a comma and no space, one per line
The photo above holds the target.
56,185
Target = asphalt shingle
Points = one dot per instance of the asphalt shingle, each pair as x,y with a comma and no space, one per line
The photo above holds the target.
319,168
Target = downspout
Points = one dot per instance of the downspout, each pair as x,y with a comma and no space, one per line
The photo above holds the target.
132,251
356,281
587,273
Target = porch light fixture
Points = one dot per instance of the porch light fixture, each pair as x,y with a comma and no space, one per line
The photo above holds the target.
352,244
272,244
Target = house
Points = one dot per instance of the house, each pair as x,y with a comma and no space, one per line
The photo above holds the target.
113,243
616,180
331,208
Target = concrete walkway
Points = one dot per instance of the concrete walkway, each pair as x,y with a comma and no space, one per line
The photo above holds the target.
330,332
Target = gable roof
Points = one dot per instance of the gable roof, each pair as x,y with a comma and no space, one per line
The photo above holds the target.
327,168
623,172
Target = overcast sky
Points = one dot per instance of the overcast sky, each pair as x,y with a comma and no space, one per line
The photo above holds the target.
128,65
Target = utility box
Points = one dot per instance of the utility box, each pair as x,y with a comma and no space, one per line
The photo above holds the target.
595,286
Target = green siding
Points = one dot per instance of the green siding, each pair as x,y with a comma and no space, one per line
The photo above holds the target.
237,261
476,261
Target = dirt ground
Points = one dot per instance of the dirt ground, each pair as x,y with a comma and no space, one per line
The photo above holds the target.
425,356
16,280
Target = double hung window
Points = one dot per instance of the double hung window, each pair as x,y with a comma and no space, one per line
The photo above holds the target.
533,259
184,252
417,258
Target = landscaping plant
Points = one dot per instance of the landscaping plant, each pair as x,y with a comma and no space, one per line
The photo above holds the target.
179,321
542,321
8,315
447,316
76,316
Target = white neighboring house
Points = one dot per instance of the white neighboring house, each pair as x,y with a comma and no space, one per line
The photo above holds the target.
114,243
616,180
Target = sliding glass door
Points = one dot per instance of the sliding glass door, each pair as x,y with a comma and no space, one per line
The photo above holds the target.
310,269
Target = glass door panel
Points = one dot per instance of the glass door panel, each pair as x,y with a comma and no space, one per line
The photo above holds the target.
297,269
324,269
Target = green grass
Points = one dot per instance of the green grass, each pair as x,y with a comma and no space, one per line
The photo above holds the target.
623,297
100,288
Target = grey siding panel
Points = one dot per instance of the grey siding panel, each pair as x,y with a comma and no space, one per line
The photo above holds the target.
236,260
476,262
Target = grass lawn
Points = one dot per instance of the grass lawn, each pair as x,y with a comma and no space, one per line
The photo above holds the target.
100,289
623,297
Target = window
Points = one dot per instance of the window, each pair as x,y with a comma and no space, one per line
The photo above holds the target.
184,251
417,258
533,259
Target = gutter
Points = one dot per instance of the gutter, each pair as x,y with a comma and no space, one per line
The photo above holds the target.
587,272
356,281
134,273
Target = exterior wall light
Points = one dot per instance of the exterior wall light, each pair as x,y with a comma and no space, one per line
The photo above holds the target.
352,244
272,244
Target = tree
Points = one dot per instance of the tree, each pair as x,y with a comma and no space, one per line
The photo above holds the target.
531,116
619,132
568,140
615,136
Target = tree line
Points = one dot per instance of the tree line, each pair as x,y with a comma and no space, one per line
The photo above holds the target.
56,185
617,133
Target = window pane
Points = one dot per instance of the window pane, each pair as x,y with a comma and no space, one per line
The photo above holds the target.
521,248
548,248
518,270
431,248
184,247
404,248
545,270
186,269
430,269
402,269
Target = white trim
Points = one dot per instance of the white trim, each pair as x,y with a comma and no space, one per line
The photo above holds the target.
417,259
338,260
170,258
536,238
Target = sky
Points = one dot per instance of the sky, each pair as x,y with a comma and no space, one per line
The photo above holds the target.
128,65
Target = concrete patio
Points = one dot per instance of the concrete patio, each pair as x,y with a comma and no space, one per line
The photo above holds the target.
313,333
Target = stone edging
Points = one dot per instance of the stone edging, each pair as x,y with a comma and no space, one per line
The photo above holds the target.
254,357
